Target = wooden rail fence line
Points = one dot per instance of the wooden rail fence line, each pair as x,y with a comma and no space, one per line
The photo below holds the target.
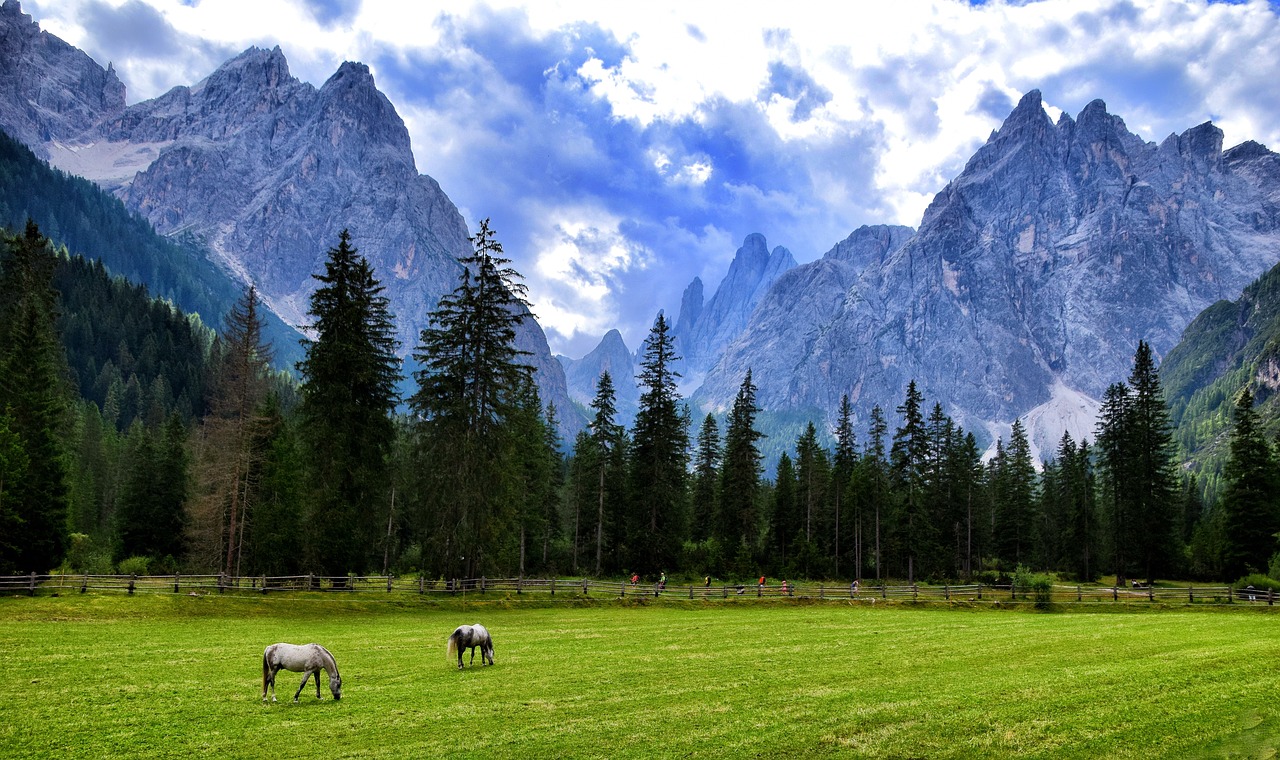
33,584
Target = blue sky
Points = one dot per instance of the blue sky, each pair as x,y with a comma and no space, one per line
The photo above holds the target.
620,149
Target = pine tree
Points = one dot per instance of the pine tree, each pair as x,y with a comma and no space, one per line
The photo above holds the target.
608,446
1249,505
785,520
1114,451
1015,516
34,396
813,476
739,528
349,381
660,452
469,394
1155,468
876,489
705,511
230,467
909,460
846,457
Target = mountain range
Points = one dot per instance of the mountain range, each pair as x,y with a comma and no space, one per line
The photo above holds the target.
1022,293
261,169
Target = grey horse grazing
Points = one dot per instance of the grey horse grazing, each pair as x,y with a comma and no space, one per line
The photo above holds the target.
299,658
470,637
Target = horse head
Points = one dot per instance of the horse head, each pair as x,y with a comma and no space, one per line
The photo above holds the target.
335,685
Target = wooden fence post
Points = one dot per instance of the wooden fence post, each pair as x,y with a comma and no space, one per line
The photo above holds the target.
1151,593
482,584
32,590
979,592
584,587
1271,596
133,581
553,586
84,585
1191,595
820,596
389,576
946,592
422,584
1078,594
1115,594
175,582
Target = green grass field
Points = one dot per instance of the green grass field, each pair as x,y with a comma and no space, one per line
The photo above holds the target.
178,676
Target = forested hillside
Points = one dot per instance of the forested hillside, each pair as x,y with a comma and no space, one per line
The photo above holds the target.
88,221
1232,345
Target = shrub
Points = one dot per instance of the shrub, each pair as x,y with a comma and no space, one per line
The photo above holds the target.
1259,581
134,565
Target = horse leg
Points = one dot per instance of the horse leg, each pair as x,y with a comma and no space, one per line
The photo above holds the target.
305,676
316,674
270,680
473,657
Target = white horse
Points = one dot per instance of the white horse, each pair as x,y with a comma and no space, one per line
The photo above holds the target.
304,658
470,637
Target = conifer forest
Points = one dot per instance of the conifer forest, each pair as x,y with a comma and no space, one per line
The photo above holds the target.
136,438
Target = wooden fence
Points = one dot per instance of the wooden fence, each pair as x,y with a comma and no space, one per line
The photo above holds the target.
196,585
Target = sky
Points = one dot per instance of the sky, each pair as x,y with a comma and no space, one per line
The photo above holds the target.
622,148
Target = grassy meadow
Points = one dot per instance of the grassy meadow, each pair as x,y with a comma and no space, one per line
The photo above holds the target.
176,676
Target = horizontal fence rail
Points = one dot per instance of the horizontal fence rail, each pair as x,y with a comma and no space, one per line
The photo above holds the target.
197,585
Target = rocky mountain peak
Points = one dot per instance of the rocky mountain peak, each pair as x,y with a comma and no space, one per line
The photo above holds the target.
49,90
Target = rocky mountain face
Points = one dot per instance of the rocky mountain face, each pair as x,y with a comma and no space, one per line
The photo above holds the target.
612,356
701,331
1030,280
265,170
49,89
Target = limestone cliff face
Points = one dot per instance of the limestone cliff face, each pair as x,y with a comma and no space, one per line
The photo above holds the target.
265,170
49,90
702,330
1033,273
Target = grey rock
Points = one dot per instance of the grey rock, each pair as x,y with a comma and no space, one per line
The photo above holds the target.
1031,279
266,171
49,90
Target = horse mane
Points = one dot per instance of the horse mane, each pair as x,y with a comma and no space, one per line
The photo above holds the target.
331,660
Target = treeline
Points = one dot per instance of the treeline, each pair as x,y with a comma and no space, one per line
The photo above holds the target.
132,438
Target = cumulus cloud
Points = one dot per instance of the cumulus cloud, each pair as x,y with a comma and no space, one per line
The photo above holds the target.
623,148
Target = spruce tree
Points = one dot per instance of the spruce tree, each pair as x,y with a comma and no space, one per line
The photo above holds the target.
1155,484
813,476
704,513
608,448
34,396
469,394
909,459
348,389
1117,481
660,453
846,457
785,520
1249,504
739,527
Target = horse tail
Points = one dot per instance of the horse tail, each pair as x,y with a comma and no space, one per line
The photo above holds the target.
266,671
452,649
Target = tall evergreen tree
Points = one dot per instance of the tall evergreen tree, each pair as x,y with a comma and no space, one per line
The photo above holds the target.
1015,507
230,463
785,520
846,457
1249,503
704,513
813,477
469,392
909,460
876,488
660,453
739,527
34,396
608,440
1114,447
349,381
1155,480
